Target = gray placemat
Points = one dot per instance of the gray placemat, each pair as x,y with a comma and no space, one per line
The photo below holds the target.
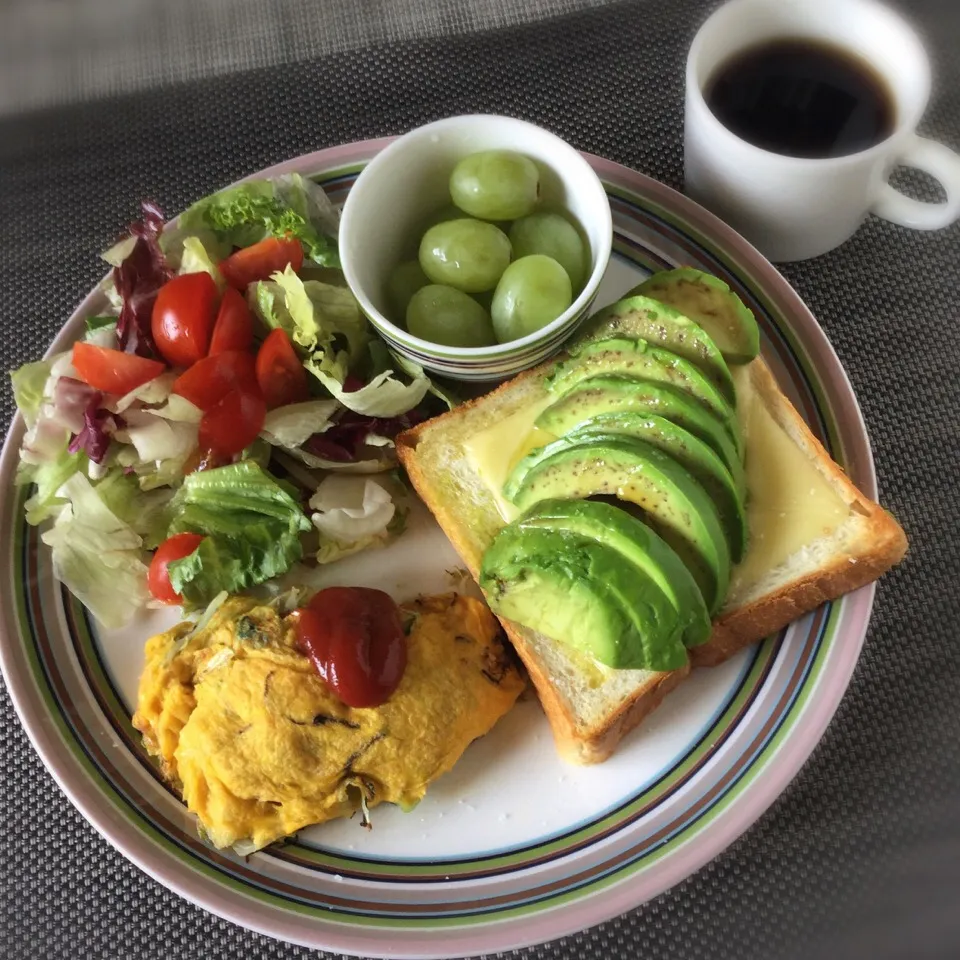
861,855
52,53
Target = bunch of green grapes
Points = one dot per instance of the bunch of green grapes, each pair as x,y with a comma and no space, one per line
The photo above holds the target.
491,267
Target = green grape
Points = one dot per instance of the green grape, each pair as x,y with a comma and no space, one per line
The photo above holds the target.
495,185
553,235
485,299
445,213
532,292
402,284
443,314
467,254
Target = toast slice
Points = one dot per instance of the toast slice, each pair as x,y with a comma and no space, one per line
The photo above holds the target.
814,536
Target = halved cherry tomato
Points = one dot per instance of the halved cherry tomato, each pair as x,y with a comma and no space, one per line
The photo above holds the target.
177,547
355,639
280,373
209,380
232,423
183,318
261,260
113,371
233,329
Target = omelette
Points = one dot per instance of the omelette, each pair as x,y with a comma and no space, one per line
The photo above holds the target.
258,746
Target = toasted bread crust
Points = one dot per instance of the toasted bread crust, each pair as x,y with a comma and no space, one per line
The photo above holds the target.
596,744
878,546
881,544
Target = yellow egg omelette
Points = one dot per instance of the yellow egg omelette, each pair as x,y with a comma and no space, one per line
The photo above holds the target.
259,747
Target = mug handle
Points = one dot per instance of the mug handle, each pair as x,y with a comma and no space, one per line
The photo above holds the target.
942,164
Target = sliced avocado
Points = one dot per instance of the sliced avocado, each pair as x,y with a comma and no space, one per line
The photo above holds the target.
662,326
707,300
634,423
636,358
694,455
614,394
582,593
677,506
637,544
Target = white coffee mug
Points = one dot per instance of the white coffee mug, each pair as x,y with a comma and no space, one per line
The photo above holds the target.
793,208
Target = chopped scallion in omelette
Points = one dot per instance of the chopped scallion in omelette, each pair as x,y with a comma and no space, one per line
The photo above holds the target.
258,745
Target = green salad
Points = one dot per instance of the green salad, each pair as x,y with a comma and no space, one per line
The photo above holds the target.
224,414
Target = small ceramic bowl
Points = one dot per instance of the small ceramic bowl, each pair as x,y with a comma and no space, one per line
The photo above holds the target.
405,182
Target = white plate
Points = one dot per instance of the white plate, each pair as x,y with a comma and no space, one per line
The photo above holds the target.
512,847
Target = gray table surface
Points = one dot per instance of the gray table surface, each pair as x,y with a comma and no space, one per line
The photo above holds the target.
103,102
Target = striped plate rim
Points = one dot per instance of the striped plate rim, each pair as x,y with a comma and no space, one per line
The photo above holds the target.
513,897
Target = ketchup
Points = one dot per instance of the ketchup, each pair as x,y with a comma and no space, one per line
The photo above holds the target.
355,640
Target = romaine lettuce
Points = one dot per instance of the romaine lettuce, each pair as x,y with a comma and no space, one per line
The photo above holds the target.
251,527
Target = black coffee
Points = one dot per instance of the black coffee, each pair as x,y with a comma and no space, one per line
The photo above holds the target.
802,98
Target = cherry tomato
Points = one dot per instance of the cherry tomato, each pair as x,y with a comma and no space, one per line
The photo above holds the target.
355,640
183,318
233,329
177,547
209,380
280,373
232,423
113,371
260,261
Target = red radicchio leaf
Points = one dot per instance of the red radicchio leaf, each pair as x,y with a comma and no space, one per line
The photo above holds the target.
138,279
71,398
320,446
98,425
342,442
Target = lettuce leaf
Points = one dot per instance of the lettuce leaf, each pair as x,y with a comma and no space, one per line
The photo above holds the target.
178,408
413,370
94,325
285,206
332,336
157,438
49,477
152,474
384,396
174,239
28,384
352,514
317,316
292,425
144,511
153,391
96,555
251,527
195,259
351,509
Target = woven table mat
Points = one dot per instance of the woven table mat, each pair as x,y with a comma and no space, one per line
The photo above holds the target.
861,855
